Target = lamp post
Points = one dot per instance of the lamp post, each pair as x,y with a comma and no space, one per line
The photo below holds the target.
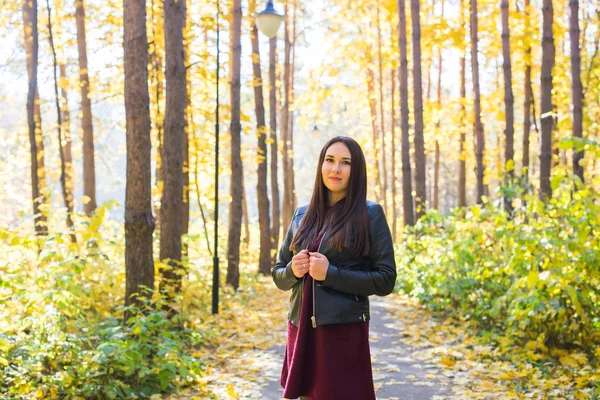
269,20
215,286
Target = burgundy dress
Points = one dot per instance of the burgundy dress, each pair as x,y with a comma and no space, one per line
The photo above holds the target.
329,362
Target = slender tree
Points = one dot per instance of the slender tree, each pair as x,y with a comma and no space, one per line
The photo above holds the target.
34,117
373,108
478,128
275,212
60,125
187,132
462,163
436,164
290,131
157,96
393,147
65,148
264,260
236,190
288,202
384,186
528,100
420,163
546,100
576,87
509,101
139,222
89,168
407,199
171,208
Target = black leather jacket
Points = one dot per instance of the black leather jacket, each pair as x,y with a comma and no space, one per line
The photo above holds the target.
343,296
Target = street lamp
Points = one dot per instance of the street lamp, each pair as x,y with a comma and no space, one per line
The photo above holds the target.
215,286
315,131
268,20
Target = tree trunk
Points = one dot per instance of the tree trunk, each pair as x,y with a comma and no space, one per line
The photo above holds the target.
384,187
290,131
509,102
274,151
60,125
187,131
171,208
373,107
462,163
288,164
264,260
236,190
393,166
478,128
420,163
139,222
89,168
546,100
436,165
528,97
66,150
407,199
34,118
157,80
245,220
576,84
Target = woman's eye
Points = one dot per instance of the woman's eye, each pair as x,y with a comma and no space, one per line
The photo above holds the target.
347,162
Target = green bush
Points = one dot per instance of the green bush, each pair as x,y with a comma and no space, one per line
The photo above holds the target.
532,275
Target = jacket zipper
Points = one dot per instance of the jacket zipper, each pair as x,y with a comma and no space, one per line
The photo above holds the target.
314,316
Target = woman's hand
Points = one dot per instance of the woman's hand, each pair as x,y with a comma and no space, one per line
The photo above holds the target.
318,266
300,264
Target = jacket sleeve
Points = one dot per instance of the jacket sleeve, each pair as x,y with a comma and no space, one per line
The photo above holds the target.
282,273
380,279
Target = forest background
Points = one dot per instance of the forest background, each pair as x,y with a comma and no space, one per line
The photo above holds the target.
480,129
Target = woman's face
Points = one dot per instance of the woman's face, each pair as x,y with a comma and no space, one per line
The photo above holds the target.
336,169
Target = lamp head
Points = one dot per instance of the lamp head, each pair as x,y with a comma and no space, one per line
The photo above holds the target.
268,20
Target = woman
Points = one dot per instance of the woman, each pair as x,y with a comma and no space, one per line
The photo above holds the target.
337,252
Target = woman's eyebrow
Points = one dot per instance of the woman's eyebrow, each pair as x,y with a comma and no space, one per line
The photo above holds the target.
343,158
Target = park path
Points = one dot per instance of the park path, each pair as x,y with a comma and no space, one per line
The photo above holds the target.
405,361
397,373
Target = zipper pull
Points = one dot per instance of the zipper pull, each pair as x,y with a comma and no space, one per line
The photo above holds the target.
314,321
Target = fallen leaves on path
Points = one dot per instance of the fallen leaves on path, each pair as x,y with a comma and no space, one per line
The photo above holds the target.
482,371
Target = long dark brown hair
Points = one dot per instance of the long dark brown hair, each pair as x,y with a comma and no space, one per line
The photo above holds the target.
346,218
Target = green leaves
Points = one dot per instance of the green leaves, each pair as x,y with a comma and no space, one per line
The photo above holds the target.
535,273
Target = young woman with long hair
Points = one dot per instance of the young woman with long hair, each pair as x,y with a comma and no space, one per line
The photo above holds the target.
337,251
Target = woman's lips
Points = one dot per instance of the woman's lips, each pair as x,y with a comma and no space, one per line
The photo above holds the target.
335,179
